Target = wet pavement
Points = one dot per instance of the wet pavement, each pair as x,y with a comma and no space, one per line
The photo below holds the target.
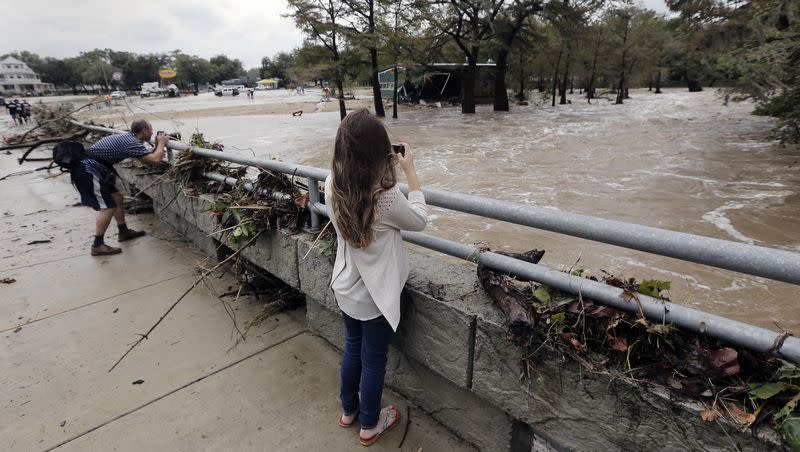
66,317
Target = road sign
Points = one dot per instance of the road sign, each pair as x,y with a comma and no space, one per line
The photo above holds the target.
117,76
167,73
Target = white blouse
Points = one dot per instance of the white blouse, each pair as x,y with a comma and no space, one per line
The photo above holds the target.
367,281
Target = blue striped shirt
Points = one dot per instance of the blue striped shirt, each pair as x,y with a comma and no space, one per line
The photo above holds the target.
111,150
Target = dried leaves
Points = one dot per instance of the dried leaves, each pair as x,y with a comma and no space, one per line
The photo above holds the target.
724,361
695,365
708,415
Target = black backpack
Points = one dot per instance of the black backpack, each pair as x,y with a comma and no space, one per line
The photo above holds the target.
68,155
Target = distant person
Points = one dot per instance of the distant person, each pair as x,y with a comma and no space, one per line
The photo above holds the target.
20,112
26,110
95,179
368,212
12,111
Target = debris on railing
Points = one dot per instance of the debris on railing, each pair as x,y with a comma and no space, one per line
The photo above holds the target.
188,168
747,388
514,303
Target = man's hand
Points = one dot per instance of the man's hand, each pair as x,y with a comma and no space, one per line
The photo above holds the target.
162,139
155,157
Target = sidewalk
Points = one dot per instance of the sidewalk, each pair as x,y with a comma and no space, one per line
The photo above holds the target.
67,317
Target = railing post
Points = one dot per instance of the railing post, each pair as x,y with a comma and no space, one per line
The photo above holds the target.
313,198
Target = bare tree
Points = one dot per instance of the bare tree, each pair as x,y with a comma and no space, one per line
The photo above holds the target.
361,25
625,16
320,20
509,25
468,23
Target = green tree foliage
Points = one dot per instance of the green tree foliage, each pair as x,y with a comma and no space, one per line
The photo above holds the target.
193,70
224,68
757,45
278,66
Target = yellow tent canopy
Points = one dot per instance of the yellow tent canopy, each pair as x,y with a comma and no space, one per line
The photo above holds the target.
267,81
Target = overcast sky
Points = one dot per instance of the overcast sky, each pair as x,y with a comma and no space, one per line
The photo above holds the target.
243,29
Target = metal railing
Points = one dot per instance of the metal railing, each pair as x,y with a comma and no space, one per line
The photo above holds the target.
750,259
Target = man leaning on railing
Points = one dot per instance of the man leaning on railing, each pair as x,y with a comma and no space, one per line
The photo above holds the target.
95,179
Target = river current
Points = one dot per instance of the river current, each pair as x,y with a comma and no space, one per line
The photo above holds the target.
681,161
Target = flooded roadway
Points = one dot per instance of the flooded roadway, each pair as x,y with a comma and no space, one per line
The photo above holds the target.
679,161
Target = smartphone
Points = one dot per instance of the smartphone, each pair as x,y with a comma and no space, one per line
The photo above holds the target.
399,149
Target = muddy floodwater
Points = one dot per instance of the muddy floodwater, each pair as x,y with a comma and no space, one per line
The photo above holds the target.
680,161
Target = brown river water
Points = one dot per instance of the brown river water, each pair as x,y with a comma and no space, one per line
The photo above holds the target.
681,161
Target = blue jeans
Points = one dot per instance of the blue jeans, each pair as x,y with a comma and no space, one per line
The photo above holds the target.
366,343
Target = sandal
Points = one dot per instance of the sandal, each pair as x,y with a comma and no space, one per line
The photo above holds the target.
344,424
387,425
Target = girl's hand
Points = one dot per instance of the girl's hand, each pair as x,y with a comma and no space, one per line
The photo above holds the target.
406,161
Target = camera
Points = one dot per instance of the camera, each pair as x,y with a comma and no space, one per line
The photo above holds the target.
172,136
399,149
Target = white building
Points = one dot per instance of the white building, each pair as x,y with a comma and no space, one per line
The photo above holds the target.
16,78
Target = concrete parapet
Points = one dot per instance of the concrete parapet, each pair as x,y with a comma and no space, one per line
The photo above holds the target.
587,411
275,252
452,359
458,409
314,271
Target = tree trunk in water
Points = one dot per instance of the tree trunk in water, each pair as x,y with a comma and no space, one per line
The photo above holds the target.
468,88
563,90
592,78
572,85
658,82
340,88
521,94
376,86
555,77
540,84
500,89
394,96
621,90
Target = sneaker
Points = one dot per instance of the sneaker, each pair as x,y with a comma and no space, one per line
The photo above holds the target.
104,250
130,234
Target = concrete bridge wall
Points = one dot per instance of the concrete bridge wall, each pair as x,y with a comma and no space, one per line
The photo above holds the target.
451,358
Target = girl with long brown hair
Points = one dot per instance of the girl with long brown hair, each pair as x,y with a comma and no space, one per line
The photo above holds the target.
371,268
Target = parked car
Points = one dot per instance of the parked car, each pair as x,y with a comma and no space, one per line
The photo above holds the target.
118,95
227,91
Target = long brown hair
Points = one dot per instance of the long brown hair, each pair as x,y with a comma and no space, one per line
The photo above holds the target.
362,168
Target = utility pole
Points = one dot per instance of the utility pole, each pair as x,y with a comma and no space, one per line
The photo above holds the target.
103,69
